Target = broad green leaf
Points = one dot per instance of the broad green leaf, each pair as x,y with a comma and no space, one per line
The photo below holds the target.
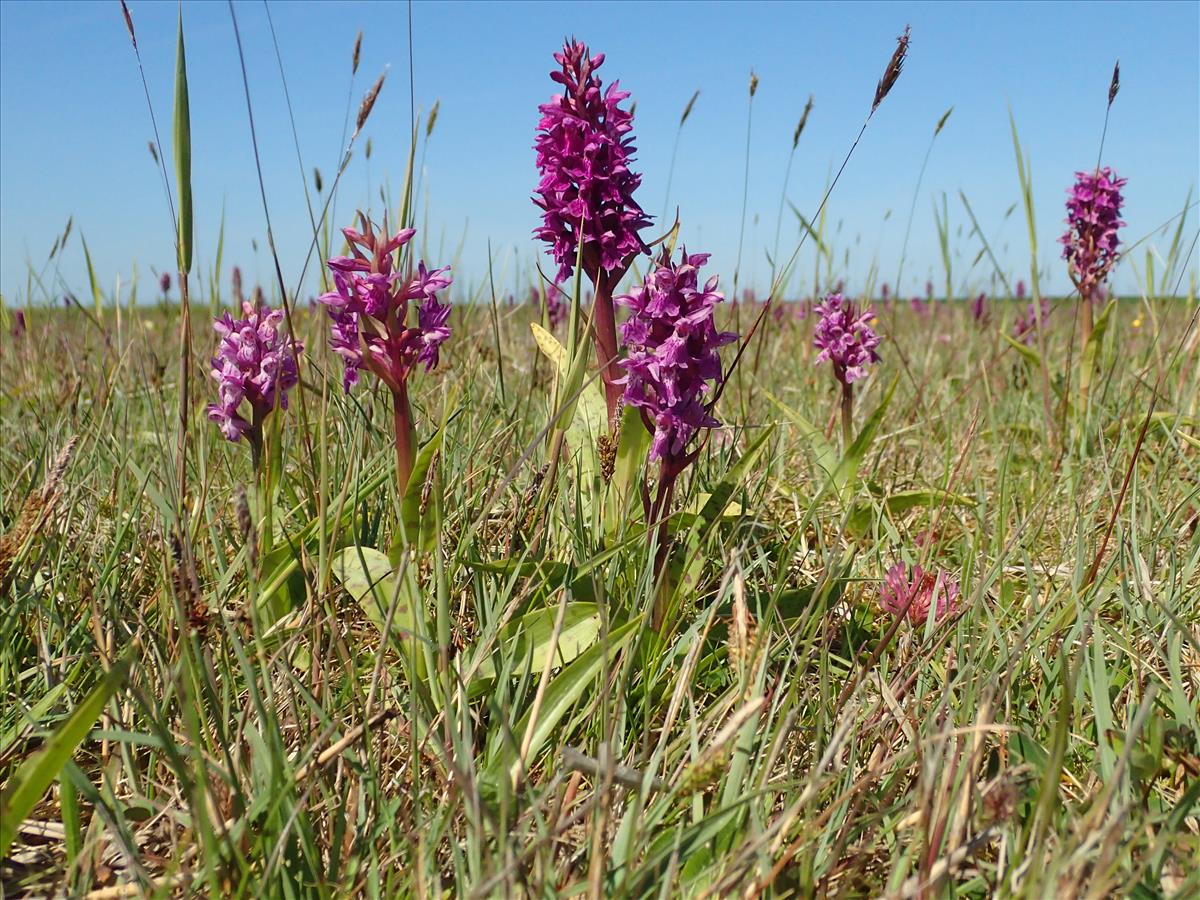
414,529
632,449
824,454
1031,355
588,418
847,470
97,296
30,781
183,154
1087,362
900,502
530,638
563,693
549,575
365,574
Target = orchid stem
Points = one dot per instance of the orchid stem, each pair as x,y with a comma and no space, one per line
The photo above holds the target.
847,416
402,420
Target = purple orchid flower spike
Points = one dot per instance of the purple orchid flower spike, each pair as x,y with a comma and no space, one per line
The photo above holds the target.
1090,244
673,366
584,150
846,339
371,311
254,368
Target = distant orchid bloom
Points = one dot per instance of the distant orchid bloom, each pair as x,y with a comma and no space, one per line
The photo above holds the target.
1093,219
254,368
1021,289
236,278
164,282
369,309
1026,327
916,593
884,292
18,327
556,306
919,306
929,291
845,338
372,318
979,307
672,342
584,149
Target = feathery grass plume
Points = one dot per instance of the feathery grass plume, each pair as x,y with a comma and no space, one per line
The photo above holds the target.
847,341
673,345
687,110
584,150
803,121
942,122
368,103
916,593
255,365
35,512
1115,85
753,83
433,117
357,51
371,311
246,525
153,151
892,72
317,182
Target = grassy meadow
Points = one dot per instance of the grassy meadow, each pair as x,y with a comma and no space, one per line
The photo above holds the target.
281,675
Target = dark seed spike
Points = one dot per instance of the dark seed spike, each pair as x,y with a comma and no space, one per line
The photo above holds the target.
1115,84
892,72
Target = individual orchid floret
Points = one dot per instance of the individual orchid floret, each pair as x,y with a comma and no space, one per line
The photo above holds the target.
164,283
254,367
673,363
584,149
1093,219
916,593
845,338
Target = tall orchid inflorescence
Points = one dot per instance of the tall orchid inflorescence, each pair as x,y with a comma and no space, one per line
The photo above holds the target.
1025,329
672,368
372,310
1093,218
672,342
846,339
254,368
584,149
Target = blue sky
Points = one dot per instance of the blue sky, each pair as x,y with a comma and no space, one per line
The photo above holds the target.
74,125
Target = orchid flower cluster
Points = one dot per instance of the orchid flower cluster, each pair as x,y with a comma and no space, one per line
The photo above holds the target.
584,151
372,321
254,368
916,593
846,339
672,343
369,309
1093,218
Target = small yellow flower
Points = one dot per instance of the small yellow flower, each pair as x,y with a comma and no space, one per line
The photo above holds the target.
1137,323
